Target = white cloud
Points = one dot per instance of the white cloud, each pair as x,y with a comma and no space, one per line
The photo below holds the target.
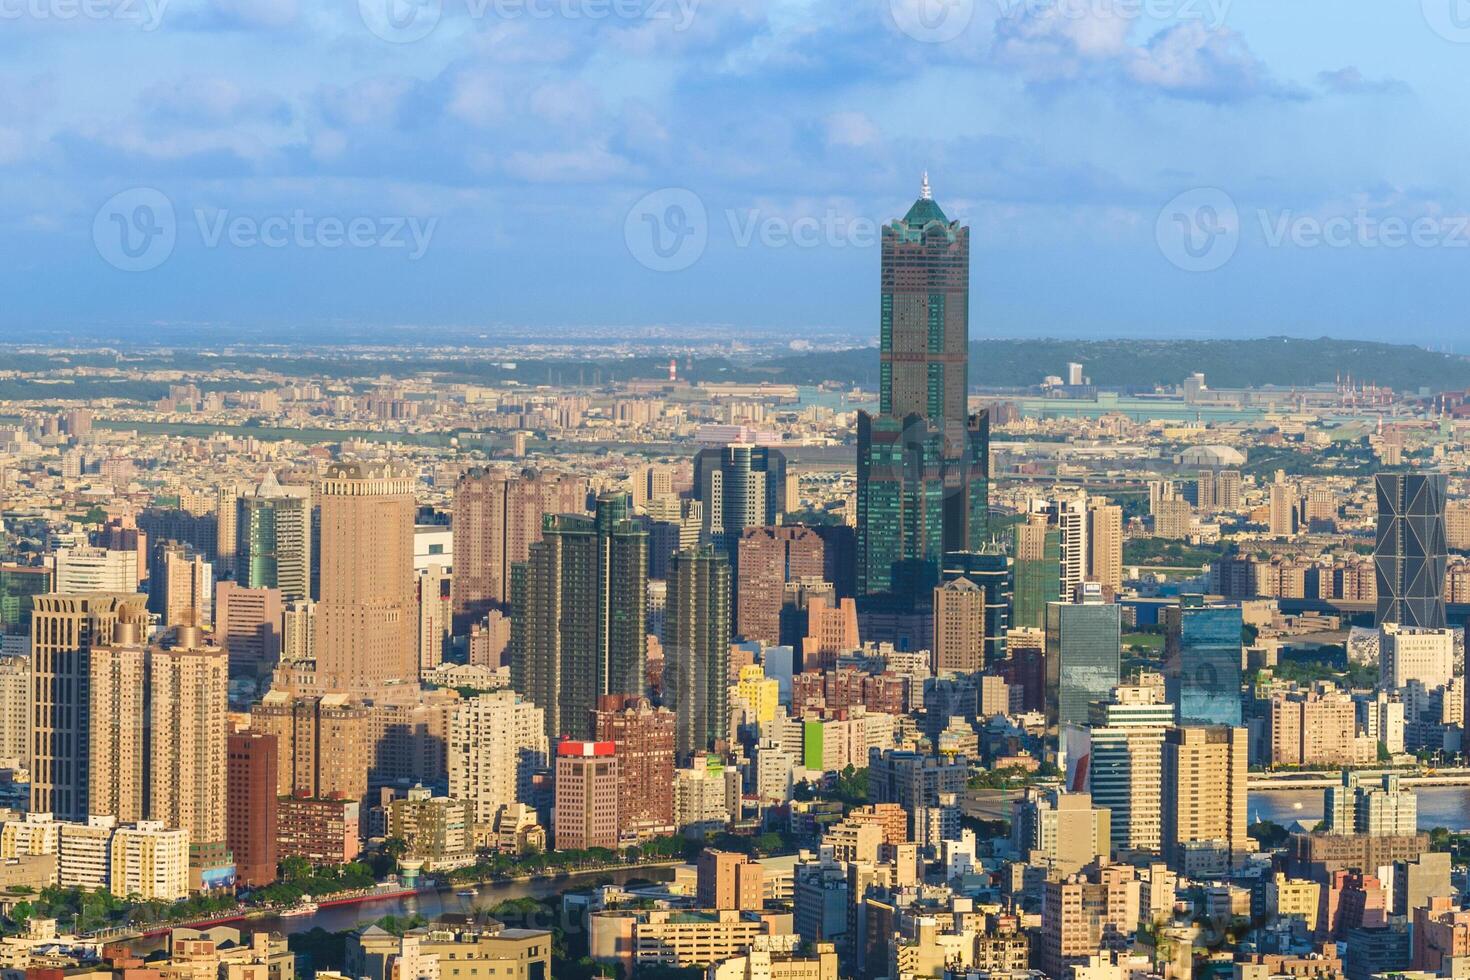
851,129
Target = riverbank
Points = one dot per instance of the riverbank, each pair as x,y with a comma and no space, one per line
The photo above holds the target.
337,913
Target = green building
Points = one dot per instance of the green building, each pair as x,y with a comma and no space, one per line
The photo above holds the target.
273,539
1035,573
18,584
579,618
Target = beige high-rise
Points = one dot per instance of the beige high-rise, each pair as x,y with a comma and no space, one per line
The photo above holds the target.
322,744
1204,805
188,709
497,516
1105,543
15,709
959,627
64,631
367,619
118,706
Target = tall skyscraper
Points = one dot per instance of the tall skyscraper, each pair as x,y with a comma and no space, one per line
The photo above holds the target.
247,623
1125,747
741,486
367,619
923,461
697,648
156,744
585,814
185,588
769,557
434,586
991,569
497,516
1202,663
1105,543
1037,572
1204,799
959,627
251,818
188,710
1412,551
579,626
64,631
273,539
1069,517
1083,658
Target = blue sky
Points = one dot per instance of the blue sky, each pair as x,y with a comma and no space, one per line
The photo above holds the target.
1128,167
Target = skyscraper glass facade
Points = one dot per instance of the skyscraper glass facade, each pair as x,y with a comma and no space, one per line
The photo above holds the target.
1082,659
923,461
1412,550
1202,672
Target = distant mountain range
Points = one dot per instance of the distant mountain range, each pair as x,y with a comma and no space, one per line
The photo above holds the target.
1147,363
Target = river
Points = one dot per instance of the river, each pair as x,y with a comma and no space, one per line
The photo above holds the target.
432,905
1439,806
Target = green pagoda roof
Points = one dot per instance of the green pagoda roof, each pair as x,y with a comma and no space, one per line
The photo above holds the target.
925,209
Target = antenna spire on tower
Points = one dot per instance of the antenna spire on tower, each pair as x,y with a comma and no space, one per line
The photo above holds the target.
924,192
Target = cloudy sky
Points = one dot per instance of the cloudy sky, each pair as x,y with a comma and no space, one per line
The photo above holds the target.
1127,167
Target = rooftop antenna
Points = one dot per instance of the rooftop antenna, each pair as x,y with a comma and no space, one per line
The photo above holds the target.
925,193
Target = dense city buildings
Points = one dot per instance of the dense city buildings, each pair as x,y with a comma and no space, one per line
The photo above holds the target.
802,679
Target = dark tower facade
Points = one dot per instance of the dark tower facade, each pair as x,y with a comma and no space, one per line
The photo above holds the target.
579,619
923,460
697,648
1412,550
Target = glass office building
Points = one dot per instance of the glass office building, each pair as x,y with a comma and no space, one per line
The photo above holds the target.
1202,663
923,461
1412,549
1083,658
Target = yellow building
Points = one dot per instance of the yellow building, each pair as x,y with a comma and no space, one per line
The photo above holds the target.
1295,898
760,694
150,862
